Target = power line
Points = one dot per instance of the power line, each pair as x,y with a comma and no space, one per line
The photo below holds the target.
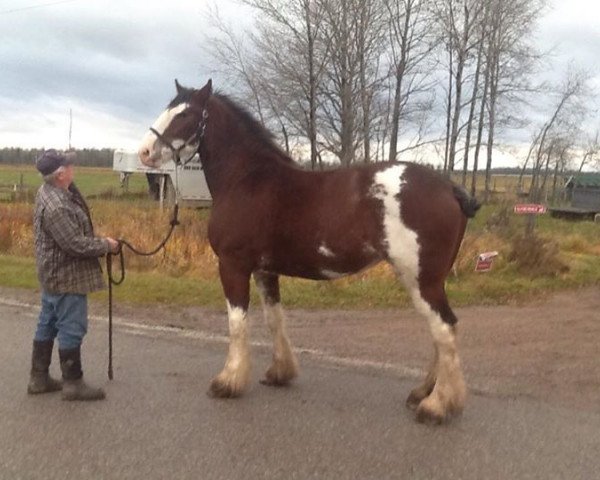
31,7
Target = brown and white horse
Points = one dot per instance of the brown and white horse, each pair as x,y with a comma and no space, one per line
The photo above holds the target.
271,218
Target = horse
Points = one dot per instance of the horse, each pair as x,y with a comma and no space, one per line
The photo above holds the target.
270,218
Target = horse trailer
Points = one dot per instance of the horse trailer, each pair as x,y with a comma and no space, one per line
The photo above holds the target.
192,190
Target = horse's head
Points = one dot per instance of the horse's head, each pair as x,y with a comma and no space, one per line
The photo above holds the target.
178,128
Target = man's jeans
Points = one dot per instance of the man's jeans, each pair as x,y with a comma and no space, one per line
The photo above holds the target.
64,316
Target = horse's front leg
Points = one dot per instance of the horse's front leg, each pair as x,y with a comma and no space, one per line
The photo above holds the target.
235,376
285,366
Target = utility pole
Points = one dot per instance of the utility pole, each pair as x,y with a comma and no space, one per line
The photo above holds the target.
70,126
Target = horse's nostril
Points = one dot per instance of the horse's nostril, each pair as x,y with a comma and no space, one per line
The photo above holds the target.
144,153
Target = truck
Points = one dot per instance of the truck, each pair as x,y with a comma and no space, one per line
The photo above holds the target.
191,190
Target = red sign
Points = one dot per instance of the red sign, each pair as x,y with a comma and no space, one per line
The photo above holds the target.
484,261
529,208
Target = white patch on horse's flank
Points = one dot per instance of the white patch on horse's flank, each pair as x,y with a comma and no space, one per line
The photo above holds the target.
369,249
161,124
325,251
401,242
331,274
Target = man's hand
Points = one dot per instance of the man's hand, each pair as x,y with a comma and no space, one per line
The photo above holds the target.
114,245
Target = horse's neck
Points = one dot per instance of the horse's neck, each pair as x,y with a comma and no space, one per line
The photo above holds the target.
226,162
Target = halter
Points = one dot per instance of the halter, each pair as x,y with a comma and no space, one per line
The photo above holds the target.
198,135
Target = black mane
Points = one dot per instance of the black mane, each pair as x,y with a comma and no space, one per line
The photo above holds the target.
256,130
261,134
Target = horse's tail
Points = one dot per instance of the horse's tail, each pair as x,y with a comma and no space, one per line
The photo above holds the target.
468,204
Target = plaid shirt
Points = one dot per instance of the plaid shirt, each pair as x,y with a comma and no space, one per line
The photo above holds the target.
66,249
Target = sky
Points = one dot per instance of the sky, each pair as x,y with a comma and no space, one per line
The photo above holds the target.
113,63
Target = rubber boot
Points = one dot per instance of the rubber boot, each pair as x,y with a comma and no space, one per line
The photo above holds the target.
40,380
74,388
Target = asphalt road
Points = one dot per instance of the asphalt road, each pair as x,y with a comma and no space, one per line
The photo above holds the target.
335,422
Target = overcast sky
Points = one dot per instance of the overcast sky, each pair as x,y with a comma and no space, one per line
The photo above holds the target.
113,63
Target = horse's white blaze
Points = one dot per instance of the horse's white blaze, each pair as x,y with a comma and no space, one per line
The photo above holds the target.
401,242
325,251
160,125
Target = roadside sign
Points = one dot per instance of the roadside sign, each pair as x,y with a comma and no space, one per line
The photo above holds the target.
529,208
484,261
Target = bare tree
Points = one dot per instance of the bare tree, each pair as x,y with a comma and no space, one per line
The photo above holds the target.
510,61
591,152
568,110
475,90
459,26
292,59
352,31
412,40
235,59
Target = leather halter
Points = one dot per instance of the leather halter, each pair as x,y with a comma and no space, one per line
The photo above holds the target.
198,135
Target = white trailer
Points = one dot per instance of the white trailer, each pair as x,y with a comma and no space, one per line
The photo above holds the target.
192,188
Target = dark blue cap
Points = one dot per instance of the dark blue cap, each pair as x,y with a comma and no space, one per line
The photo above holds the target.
50,160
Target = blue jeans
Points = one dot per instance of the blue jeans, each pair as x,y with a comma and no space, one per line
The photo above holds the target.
64,316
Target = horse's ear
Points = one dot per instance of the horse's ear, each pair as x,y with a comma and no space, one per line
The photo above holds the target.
178,86
200,97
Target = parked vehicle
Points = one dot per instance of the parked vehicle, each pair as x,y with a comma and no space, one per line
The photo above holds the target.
165,182
582,192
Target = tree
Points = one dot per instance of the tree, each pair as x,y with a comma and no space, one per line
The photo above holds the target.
510,61
412,41
568,110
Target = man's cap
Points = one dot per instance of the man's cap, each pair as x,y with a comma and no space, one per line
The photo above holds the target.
50,160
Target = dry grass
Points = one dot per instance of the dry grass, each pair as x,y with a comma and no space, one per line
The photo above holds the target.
187,270
537,256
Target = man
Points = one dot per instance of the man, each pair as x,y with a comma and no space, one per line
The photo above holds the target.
68,269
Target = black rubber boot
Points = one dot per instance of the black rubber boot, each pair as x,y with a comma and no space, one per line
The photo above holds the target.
40,380
74,388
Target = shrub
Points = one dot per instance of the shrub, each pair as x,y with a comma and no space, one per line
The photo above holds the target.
536,256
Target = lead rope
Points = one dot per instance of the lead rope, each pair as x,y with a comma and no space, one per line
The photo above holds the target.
124,243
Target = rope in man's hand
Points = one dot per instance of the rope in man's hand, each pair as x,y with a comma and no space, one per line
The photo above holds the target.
118,281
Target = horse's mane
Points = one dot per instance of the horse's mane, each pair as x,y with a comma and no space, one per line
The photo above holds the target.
259,134
257,131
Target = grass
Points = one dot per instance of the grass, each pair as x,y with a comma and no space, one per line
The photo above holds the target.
91,181
186,272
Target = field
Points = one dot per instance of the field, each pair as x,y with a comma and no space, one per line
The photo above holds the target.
563,255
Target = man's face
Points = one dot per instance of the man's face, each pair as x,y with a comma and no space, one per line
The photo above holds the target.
66,177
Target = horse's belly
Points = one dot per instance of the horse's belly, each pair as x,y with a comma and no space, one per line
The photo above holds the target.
322,268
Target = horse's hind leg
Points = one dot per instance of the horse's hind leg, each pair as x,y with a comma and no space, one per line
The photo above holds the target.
449,391
285,366
423,390
235,376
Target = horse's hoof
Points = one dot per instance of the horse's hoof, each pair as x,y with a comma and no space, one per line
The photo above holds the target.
220,389
417,395
429,417
431,411
274,381
276,376
413,400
